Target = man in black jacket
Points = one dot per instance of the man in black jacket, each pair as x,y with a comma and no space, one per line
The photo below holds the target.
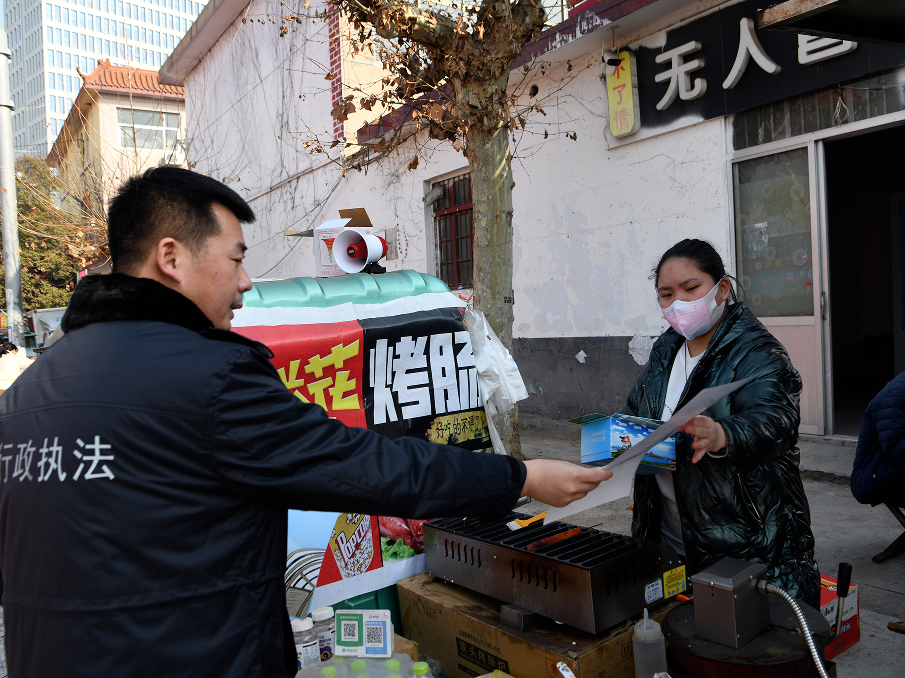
149,458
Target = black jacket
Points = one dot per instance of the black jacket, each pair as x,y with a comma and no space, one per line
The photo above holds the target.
148,462
878,476
749,504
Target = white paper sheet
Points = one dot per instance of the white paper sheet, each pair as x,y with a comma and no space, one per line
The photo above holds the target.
626,464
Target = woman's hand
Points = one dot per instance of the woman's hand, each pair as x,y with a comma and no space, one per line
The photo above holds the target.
709,436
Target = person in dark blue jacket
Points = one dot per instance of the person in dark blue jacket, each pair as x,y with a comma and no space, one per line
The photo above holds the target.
878,475
149,458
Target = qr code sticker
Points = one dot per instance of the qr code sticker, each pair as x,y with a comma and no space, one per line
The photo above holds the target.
350,631
374,635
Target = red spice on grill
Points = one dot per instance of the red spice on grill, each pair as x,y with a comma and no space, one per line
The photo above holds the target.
553,539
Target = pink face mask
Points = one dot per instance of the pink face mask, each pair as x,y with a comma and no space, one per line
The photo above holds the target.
693,318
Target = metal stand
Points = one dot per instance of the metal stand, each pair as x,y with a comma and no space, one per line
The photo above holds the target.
778,652
374,268
519,618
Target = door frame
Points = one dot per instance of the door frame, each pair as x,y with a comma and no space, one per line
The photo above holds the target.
819,171
814,142
814,196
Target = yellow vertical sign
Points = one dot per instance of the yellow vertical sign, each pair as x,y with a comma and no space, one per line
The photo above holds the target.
622,96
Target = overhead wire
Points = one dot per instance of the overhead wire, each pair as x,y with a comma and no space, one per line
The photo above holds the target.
292,247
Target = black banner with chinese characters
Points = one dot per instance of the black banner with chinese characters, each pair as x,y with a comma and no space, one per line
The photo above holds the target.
721,64
420,379
406,374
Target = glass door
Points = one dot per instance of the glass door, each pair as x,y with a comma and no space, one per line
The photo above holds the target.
777,263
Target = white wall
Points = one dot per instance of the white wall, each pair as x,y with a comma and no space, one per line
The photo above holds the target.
246,126
589,222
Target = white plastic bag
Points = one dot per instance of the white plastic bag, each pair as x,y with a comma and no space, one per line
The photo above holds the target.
499,379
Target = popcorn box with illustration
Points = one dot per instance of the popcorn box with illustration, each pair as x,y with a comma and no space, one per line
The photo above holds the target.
604,438
851,622
364,633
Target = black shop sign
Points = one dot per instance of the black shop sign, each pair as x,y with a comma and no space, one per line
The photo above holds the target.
722,63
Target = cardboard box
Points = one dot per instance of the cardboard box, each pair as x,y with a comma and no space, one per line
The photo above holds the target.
405,646
851,619
605,438
462,630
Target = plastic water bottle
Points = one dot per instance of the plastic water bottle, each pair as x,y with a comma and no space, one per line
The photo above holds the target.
421,670
359,667
649,648
307,649
325,626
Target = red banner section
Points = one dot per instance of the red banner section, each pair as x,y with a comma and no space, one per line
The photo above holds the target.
320,364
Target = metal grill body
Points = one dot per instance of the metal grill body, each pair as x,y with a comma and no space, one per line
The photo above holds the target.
591,581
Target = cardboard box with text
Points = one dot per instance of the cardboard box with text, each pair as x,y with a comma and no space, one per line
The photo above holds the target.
851,615
461,629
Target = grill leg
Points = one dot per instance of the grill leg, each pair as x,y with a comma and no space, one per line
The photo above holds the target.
519,618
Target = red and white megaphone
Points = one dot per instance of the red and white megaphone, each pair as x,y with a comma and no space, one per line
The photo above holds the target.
355,248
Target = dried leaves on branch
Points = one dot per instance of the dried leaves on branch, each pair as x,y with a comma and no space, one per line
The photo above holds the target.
448,64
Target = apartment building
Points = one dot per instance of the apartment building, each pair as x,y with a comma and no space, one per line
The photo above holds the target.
122,122
52,41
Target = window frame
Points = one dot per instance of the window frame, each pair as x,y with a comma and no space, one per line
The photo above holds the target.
163,128
453,211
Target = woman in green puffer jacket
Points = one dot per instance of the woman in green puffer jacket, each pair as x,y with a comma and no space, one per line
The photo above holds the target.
736,490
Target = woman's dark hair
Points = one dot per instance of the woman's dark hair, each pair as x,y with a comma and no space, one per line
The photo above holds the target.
702,254
8,347
166,202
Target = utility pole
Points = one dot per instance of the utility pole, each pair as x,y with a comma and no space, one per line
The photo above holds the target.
10,222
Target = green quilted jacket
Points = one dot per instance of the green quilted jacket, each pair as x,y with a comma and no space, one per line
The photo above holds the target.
749,504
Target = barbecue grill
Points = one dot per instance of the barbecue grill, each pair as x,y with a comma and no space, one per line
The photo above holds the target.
591,580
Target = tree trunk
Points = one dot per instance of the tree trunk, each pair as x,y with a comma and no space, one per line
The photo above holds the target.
491,189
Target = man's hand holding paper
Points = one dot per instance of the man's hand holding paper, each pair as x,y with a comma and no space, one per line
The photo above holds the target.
559,483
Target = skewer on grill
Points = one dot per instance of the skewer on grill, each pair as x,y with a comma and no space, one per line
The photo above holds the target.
553,539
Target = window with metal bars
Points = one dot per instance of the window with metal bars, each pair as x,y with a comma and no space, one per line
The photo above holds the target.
452,221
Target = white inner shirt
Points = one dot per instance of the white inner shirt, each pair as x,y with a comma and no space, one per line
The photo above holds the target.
670,526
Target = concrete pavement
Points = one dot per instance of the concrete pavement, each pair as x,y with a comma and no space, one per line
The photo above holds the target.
844,530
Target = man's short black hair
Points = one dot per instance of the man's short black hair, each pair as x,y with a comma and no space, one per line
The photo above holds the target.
166,202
